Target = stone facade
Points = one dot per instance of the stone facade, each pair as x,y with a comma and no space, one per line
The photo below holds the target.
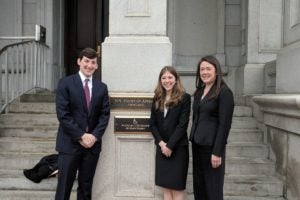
278,113
257,42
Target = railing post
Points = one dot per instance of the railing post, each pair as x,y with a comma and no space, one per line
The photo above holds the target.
16,72
1,86
22,68
31,79
45,67
6,80
27,78
10,70
35,66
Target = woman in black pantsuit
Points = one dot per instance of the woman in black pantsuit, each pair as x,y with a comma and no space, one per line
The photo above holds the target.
168,123
212,116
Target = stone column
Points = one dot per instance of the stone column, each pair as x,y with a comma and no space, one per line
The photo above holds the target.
261,38
132,57
137,46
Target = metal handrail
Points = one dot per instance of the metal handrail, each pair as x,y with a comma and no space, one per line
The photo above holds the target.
23,66
18,43
17,37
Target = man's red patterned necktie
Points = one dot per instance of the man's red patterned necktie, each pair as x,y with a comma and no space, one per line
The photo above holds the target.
87,93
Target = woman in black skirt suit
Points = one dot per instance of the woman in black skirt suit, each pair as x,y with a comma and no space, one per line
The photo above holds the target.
168,123
212,115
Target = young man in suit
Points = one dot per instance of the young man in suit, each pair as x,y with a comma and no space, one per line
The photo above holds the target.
82,106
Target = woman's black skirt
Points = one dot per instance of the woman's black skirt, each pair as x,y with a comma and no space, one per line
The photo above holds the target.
171,172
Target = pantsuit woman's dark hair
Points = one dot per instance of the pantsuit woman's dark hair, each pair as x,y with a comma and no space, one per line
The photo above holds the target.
219,76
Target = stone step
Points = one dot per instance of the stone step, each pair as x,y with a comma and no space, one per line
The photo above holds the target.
247,149
15,179
44,107
51,119
237,166
27,131
38,97
245,135
245,166
191,197
249,166
27,145
40,107
47,144
252,137
243,123
242,111
29,119
248,186
252,198
29,103
20,161
47,131
30,195
257,185
14,184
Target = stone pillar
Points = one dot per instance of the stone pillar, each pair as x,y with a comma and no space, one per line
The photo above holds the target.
288,59
137,46
132,57
261,36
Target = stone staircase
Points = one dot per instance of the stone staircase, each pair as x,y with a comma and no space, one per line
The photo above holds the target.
28,132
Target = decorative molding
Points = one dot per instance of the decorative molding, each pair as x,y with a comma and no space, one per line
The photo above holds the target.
280,111
287,105
270,77
138,8
18,24
294,13
221,27
269,30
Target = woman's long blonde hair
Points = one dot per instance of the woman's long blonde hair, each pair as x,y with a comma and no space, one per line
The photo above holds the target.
160,92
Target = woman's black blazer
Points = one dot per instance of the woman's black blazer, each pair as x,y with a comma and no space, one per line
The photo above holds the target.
212,119
172,129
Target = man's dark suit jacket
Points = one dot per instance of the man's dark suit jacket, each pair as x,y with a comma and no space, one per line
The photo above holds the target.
74,116
172,128
212,120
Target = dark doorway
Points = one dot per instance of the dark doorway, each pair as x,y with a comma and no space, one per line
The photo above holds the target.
86,25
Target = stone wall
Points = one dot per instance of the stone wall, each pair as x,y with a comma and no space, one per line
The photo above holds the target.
279,115
11,23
